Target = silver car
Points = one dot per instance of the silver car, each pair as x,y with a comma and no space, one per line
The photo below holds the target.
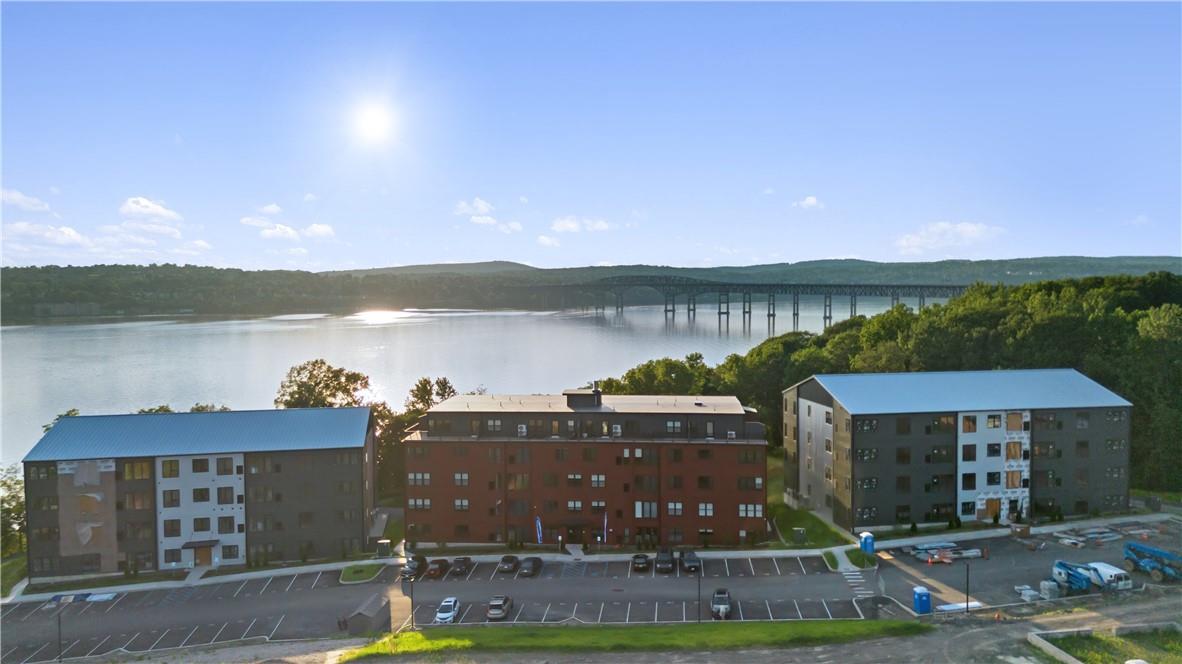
499,607
448,611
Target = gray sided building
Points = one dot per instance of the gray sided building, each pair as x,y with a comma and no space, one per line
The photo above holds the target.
869,451
167,491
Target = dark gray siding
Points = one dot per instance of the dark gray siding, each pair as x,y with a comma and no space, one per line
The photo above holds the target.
44,552
791,444
928,483
1080,460
135,515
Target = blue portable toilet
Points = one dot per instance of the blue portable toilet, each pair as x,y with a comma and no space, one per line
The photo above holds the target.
921,600
866,543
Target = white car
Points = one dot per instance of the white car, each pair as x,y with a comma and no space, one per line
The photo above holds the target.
448,611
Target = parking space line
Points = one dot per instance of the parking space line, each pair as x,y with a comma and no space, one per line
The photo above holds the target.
88,605
465,613
740,604
160,639
472,571
494,572
777,567
269,580
30,613
291,583
144,599
576,610
189,636
728,566
67,648
799,615
801,563
858,609
769,610
827,609
272,634
252,625
653,573
629,571
100,645
600,619
752,566
317,579
120,599
35,653
241,587
9,652
683,612
215,636
628,613
518,574
519,610
546,613
656,606
124,646
10,611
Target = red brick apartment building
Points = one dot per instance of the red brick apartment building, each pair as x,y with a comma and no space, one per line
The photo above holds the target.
583,465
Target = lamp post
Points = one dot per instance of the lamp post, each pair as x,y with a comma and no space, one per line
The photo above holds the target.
966,586
410,583
597,547
699,604
560,543
59,636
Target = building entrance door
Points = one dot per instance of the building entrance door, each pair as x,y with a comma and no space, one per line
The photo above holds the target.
203,555
992,507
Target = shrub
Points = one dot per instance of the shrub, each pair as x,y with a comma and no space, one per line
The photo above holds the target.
914,528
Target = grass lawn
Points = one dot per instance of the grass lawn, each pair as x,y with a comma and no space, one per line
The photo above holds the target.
1167,496
394,531
830,559
357,573
610,638
818,534
12,570
1156,647
860,559
102,582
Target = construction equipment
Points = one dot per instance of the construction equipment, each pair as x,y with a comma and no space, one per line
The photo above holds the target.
1072,577
1159,563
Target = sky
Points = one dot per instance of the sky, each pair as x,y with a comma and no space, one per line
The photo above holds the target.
326,136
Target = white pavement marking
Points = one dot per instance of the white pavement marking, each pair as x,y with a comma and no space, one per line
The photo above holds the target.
769,610
115,602
317,579
248,629
859,610
189,636
546,613
656,606
576,610
728,566
35,653
677,571
67,648
752,566
88,605
215,636
472,571
777,567
241,587
802,569
629,571
740,610
683,612
161,638
519,610
14,607
124,646
628,613
465,613
799,615
494,572
30,613
600,619
100,645
827,609
9,652
272,634
291,583
269,580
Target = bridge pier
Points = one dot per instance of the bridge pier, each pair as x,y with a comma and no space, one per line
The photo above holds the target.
771,305
827,318
670,304
921,301
724,305
619,303
796,312
853,305
746,305
894,299
691,305
600,306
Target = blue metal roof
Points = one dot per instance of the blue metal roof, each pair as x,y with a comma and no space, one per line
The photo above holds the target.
962,391
167,434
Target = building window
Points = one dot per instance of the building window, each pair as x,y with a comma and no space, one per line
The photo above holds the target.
705,509
518,481
230,552
574,506
225,495
172,556
828,474
867,514
828,417
201,495
1081,449
903,484
1115,472
968,482
201,465
672,426
902,426
598,506
461,479
968,453
675,455
45,503
418,479
598,481
867,424
1082,419
201,524
750,510
225,525
1116,415
574,479
968,508
460,504
132,470
560,454
1013,479
457,450
1013,451
993,478
590,454
829,445
993,449
674,508
675,481
170,468
968,424
418,503
645,509
1115,445
902,455
867,483
226,466
749,483
705,482
750,456
171,497
494,425
549,479
1081,478
903,514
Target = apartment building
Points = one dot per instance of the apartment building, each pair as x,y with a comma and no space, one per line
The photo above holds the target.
584,467
880,450
166,491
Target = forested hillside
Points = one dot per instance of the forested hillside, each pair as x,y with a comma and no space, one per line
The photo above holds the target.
31,293
1124,332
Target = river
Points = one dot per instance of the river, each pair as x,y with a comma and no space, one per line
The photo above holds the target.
119,367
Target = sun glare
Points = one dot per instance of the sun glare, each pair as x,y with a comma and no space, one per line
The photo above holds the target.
373,123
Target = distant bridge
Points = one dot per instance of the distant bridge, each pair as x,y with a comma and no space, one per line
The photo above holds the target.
672,287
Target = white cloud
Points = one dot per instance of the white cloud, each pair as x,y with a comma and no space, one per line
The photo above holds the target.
523,200
1139,220
504,227
478,206
310,197
319,230
768,191
139,207
149,227
55,190
548,241
511,227
58,235
573,224
200,245
271,209
279,232
297,251
809,203
258,222
27,203
944,235
483,220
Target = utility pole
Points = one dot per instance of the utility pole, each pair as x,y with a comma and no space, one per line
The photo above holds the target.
966,586
699,604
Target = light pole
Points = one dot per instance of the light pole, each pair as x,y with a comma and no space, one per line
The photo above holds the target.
59,636
560,543
410,583
699,604
966,586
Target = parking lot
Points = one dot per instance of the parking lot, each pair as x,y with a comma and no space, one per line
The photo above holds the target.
281,606
1012,562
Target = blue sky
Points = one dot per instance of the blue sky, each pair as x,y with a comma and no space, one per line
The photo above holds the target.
574,134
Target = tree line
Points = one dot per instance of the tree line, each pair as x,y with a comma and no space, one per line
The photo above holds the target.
1125,332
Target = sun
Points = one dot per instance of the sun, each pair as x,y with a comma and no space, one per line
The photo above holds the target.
373,123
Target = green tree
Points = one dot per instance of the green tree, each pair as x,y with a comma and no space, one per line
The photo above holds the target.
163,408
73,412
318,384
12,509
208,408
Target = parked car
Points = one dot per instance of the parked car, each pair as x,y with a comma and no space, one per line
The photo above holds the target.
461,566
414,566
509,564
448,611
720,604
438,568
499,607
690,562
531,566
640,562
664,562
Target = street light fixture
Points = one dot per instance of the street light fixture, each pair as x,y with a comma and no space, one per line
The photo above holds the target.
560,543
